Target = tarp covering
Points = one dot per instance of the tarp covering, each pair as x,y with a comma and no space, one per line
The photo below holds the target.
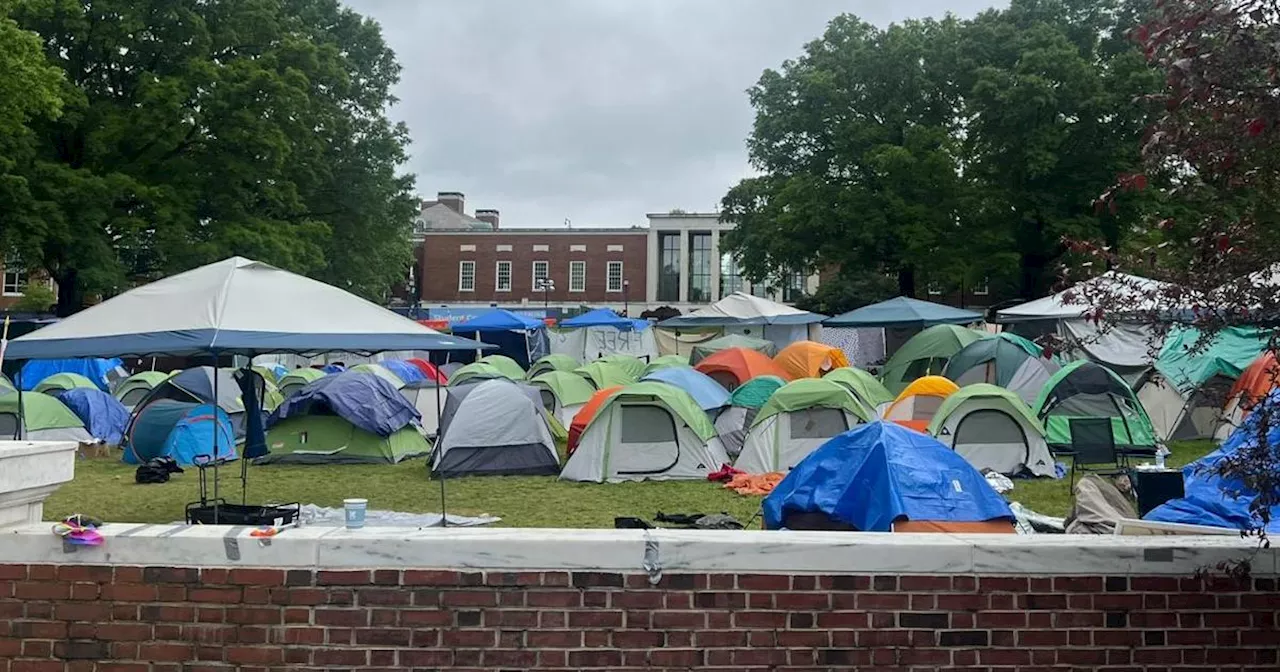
926,353
705,349
807,359
903,311
1188,362
708,394
101,371
1207,499
600,317
363,399
234,306
879,473
103,417
740,308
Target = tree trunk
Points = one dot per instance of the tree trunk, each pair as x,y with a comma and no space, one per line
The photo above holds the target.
1032,259
907,281
70,295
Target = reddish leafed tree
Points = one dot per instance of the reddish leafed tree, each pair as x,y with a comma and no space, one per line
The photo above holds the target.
1212,183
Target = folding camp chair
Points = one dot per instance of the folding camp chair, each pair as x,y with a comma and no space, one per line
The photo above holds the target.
1093,444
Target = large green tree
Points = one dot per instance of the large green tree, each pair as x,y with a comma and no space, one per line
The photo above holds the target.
197,129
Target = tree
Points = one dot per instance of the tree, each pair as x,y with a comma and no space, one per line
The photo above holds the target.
36,298
194,130
848,291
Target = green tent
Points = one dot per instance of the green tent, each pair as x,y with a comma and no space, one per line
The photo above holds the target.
984,390
811,393
866,387
1007,360
705,349
268,374
131,390
273,397
44,418
510,368
381,372
755,392
5,383
604,374
297,379
666,362
633,366
1085,389
480,370
570,389
799,418
992,428
926,354
64,381
329,439
1188,363
552,363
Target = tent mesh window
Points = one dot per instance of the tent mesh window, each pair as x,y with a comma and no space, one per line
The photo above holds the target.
920,368
548,399
134,397
647,424
817,423
988,427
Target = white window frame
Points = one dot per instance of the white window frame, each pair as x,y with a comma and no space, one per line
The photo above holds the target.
461,265
534,273
608,277
13,267
497,276
983,288
582,288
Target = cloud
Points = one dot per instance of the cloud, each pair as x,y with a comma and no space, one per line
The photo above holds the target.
598,111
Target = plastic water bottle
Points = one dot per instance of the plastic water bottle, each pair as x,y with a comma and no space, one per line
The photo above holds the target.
1160,453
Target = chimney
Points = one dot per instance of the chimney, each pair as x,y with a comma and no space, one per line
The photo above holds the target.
454,200
489,217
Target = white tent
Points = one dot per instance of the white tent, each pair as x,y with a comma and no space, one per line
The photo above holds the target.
494,427
741,313
1179,416
991,428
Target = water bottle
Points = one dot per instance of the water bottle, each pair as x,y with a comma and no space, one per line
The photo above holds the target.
1160,453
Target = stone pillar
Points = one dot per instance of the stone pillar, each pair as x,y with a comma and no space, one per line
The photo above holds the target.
717,292
652,268
30,471
684,266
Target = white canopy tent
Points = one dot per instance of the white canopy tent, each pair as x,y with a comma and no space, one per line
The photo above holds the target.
741,313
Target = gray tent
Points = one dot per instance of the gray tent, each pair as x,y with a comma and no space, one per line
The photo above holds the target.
494,427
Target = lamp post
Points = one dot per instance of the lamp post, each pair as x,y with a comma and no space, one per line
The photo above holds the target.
547,285
626,300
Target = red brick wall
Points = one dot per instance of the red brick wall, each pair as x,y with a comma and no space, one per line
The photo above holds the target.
160,619
440,254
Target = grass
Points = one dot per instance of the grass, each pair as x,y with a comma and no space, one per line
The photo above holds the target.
105,489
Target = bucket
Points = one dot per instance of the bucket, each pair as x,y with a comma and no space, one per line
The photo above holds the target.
355,512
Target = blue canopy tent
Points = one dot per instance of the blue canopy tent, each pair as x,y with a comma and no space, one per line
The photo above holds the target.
877,476
103,416
708,394
903,311
1207,499
103,372
521,338
600,317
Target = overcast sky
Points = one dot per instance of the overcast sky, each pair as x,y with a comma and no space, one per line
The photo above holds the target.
598,111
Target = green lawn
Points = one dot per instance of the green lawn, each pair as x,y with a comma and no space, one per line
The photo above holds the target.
105,489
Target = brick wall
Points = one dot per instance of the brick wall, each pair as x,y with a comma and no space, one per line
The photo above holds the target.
441,252
127,619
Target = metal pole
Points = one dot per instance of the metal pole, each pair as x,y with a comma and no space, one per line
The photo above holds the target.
444,514
215,438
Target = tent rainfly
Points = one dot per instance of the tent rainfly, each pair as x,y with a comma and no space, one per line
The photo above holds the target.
903,311
925,354
296,379
992,428
494,427
743,314
705,349
797,419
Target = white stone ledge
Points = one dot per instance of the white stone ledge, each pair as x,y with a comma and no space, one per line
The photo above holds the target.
626,551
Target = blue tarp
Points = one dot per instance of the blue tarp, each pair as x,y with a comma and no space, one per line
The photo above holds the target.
103,417
363,399
705,391
404,370
498,319
600,317
96,370
1207,500
903,311
877,473
333,368
181,430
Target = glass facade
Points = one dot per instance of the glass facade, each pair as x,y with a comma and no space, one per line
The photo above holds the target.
669,267
730,275
699,267
793,287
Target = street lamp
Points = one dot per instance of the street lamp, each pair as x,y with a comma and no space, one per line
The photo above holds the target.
626,302
546,285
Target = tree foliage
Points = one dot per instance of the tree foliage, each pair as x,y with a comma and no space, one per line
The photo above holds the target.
953,151
194,130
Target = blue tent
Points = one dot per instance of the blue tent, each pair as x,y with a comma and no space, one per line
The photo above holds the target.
181,430
903,311
705,391
404,370
600,317
1207,500
876,474
498,320
521,338
363,399
333,368
101,371
103,416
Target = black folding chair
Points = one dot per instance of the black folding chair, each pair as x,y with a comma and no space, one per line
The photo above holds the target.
1092,445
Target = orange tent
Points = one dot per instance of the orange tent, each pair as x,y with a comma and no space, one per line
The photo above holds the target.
807,359
916,405
732,367
1256,382
585,414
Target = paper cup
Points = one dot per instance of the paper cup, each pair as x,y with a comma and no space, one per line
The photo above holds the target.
355,509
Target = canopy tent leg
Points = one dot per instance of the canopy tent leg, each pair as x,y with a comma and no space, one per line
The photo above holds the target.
444,514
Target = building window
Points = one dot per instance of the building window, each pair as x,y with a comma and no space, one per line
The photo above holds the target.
577,276
419,226
792,287
669,267
503,277
699,267
613,277
15,277
541,271
730,275
466,276
982,288
934,289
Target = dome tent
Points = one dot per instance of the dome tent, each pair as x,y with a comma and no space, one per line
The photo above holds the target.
667,362
732,367
630,364
924,354
404,370
1085,389
884,478
182,430
1253,385
553,362
509,367
991,428
865,387
103,417
798,418
296,379
352,417
380,371
587,413
744,404
494,427
602,374
478,371
196,385
429,397
706,392
429,371
807,359
916,406
563,393
647,431
706,349
1007,360
61,382
44,418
